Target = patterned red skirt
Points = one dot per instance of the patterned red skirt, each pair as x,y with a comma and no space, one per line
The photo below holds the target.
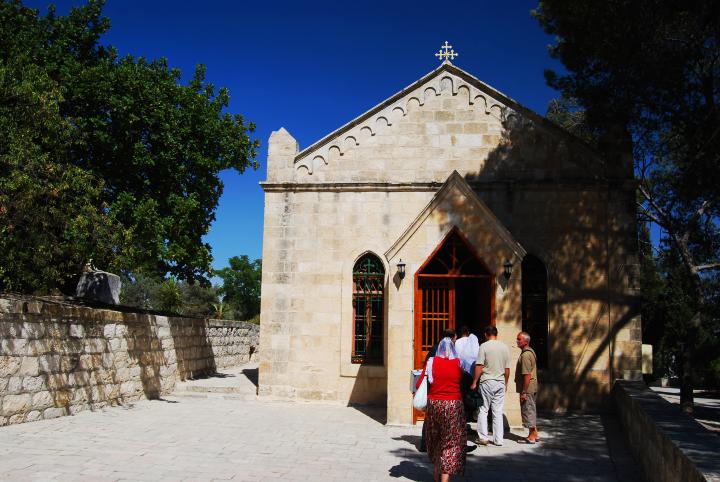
446,435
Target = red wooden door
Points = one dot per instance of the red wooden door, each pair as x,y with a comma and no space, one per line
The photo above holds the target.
435,312
437,284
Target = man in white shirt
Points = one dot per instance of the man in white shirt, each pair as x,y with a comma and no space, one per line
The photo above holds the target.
467,346
492,371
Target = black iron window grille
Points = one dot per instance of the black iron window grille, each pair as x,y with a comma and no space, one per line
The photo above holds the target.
535,307
368,310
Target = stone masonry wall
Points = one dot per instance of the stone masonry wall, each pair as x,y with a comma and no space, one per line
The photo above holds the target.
59,358
667,444
360,188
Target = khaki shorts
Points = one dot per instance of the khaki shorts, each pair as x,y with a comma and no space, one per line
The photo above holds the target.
528,411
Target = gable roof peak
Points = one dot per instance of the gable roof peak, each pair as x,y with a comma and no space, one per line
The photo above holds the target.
456,182
382,109
445,78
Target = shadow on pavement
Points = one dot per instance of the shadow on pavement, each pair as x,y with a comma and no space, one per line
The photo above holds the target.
410,471
573,448
251,374
413,440
379,414
213,375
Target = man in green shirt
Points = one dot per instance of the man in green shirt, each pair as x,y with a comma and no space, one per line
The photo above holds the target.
526,384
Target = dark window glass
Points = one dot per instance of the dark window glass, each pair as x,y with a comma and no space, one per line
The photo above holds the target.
534,306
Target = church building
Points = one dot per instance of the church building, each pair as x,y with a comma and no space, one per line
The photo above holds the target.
447,204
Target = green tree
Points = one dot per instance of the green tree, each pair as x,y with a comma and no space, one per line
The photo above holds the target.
219,310
568,114
168,295
198,300
139,291
646,73
132,154
241,286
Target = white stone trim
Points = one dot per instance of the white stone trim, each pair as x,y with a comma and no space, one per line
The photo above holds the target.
347,368
455,180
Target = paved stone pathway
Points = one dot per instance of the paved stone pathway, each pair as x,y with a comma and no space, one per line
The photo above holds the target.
221,438
707,405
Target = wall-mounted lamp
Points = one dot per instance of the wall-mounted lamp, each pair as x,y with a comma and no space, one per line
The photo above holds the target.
507,269
401,268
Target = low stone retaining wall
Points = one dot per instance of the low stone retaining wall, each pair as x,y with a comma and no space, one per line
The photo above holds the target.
58,358
668,445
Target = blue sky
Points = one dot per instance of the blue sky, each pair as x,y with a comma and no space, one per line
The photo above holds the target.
312,66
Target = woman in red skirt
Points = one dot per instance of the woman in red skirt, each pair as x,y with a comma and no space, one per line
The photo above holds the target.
445,414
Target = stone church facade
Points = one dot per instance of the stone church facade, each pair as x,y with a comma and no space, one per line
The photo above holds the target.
447,204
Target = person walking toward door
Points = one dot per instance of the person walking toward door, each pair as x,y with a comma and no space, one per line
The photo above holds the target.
445,416
492,372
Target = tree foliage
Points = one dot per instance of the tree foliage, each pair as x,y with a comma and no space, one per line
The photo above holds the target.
568,114
647,75
104,157
668,302
169,295
241,286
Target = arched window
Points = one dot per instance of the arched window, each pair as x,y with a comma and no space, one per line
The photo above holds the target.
534,306
368,310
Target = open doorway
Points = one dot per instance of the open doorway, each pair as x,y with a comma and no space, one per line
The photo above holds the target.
452,288
472,305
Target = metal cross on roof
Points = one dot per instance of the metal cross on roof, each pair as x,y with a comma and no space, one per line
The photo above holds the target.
448,54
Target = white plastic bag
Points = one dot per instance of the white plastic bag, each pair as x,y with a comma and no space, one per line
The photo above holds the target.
420,398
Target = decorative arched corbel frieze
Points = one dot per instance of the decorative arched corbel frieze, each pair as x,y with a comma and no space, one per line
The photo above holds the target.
381,123
428,93
447,84
390,114
480,103
334,153
366,131
496,110
463,92
413,103
349,143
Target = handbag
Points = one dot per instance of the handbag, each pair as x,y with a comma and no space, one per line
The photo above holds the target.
473,400
420,397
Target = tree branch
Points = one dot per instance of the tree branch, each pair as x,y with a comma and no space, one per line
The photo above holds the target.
695,218
706,267
650,216
661,218
701,210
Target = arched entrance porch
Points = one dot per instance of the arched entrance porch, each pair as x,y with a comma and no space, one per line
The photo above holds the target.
453,287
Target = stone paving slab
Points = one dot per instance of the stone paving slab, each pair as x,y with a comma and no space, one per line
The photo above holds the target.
187,439
707,405
235,383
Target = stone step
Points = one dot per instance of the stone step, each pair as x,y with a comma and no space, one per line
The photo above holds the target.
192,388
233,383
215,395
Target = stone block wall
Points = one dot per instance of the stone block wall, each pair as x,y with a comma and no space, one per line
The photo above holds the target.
59,358
358,189
668,445
233,342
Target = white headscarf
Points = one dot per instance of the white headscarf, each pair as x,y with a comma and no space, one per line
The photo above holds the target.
446,349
